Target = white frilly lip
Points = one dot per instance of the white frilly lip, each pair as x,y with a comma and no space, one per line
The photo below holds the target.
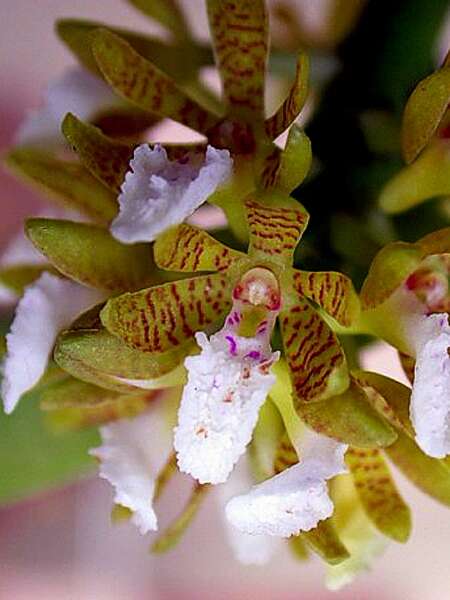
47,306
158,193
76,91
296,499
219,407
247,549
131,455
430,398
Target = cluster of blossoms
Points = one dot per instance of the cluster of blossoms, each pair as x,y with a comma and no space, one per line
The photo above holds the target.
143,315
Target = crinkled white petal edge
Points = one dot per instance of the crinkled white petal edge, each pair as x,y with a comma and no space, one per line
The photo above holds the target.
131,455
296,499
430,398
47,306
158,193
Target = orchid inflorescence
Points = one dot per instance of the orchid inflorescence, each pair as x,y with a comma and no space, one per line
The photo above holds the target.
135,320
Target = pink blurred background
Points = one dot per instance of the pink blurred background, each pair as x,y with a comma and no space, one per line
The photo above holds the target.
61,545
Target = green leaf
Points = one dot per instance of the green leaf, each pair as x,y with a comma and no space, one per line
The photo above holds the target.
164,317
378,493
107,159
239,33
91,256
292,106
142,83
33,458
187,248
66,181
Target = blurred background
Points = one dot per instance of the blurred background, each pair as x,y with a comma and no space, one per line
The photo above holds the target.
61,544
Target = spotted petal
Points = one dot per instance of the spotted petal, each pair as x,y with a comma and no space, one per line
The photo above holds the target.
292,106
163,317
334,292
186,248
315,358
158,194
294,500
130,457
145,85
240,37
378,493
276,225
47,306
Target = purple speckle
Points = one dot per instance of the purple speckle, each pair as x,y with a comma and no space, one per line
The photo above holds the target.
233,345
254,354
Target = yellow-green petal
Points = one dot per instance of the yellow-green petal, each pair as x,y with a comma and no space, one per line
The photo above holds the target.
164,317
378,493
17,277
276,224
314,356
188,249
292,106
90,255
240,37
295,160
142,83
166,12
334,292
424,111
324,540
68,182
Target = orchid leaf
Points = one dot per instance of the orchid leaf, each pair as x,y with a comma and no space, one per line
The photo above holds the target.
424,111
431,475
166,12
164,317
334,292
295,160
240,38
142,83
348,418
292,106
378,493
188,249
276,224
68,182
33,458
314,356
324,541
169,538
390,267
91,256
424,179
105,158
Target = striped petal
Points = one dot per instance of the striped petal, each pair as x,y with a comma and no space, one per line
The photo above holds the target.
240,37
188,249
292,106
315,358
145,85
164,317
334,292
276,225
